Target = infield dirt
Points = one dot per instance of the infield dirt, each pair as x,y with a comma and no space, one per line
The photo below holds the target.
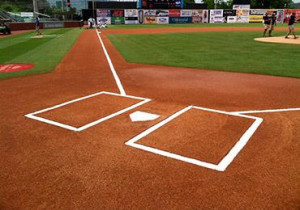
44,166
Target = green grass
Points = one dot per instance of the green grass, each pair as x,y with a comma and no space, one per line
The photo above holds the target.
249,25
225,51
45,53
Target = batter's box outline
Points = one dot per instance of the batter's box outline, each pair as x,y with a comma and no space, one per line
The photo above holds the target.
223,164
100,120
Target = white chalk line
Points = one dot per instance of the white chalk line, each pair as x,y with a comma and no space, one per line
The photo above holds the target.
267,111
112,68
223,164
69,127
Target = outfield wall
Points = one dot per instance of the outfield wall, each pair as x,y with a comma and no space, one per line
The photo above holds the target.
50,24
181,16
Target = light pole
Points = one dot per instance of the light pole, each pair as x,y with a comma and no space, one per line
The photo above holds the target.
216,2
35,8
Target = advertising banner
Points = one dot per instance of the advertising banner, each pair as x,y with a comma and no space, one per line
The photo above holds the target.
242,15
243,19
162,20
141,16
200,16
216,16
103,13
197,19
150,13
288,13
117,20
256,15
174,13
227,13
280,16
162,13
103,20
117,13
241,6
131,13
130,22
178,20
205,16
150,20
231,19
255,18
185,13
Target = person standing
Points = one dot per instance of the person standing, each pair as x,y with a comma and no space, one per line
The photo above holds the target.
291,26
91,22
273,23
267,23
37,26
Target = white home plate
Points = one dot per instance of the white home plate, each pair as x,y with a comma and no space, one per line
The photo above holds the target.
142,116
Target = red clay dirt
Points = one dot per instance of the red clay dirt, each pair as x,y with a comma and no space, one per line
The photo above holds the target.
47,167
15,33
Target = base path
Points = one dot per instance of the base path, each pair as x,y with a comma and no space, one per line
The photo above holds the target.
45,166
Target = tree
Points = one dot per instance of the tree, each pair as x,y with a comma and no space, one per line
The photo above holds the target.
267,4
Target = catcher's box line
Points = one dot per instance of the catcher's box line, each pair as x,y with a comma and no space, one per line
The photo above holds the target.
69,127
223,164
112,68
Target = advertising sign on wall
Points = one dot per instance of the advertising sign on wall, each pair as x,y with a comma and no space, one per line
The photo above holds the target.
185,13
117,13
200,16
103,13
216,16
131,20
227,13
241,6
162,20
117,20
150,20
288,13
231,19
141,16
131,12
162,13
176,20
150,13
174,13
242,15
103,20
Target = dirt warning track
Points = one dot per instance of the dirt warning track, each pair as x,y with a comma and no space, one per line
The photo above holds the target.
46,166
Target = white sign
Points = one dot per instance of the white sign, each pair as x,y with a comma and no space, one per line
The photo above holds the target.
26,14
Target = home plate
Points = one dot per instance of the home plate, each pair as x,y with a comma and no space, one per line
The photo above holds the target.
139,116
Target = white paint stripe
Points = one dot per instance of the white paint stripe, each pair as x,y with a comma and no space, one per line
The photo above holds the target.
158,125
52,122
66,103
174,156
267,111
225,162
117,79
31,115
112,115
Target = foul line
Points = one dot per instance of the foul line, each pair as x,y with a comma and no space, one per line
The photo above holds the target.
112,68
267,111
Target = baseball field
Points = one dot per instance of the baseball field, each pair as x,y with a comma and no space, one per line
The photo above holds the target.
150,117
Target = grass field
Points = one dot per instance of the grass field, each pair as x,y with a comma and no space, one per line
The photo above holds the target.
45,53
227,51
